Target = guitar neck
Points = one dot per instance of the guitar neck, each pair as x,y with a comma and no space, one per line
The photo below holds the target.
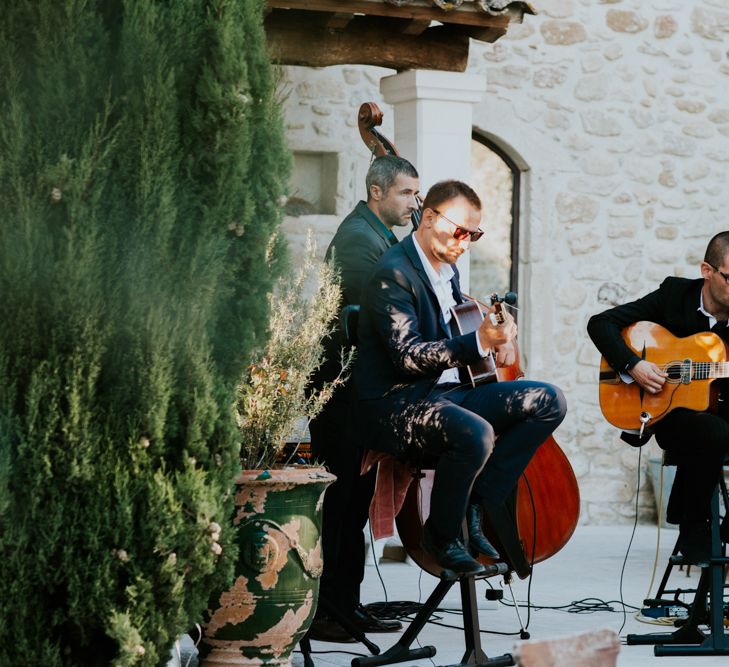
709,370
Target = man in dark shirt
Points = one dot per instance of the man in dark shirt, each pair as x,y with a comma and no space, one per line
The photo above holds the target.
698,440
360,240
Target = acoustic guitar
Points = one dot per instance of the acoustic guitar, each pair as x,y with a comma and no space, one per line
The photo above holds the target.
691,363
467,317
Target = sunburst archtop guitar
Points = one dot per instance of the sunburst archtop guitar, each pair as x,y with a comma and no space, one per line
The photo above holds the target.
691,363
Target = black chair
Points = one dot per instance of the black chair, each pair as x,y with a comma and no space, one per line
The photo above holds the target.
707,607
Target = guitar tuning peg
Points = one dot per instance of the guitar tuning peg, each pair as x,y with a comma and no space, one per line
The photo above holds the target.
509,298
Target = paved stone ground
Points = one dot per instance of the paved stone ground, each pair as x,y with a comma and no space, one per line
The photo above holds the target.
588,567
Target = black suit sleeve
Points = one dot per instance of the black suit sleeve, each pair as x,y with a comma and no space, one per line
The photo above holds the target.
391,301
356,254
604,329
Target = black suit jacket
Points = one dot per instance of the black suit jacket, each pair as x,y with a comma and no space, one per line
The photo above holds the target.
403,343
674,305
359,242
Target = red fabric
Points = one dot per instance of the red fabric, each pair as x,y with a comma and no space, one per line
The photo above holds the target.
391,486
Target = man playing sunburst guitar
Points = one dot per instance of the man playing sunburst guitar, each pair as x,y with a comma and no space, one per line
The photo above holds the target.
699,440
411,400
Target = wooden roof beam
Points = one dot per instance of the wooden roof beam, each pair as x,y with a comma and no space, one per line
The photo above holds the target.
338,20
299,38
462,16
414,26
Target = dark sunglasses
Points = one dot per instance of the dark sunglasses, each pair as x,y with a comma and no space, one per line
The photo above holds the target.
721,273
460,233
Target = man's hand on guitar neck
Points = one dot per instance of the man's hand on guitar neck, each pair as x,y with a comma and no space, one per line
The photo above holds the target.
648,375
492,335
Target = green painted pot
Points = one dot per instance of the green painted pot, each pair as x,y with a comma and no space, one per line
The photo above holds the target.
269,608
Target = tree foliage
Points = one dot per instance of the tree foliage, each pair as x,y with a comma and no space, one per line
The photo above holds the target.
142,164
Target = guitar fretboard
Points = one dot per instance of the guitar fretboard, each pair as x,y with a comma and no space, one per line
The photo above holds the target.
707,370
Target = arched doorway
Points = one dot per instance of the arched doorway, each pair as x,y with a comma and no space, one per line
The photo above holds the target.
494,262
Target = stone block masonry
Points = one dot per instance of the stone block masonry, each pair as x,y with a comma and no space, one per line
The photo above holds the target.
618,112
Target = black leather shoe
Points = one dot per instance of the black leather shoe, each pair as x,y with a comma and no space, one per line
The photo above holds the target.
325,629
369,623
450,555
476,539
694,542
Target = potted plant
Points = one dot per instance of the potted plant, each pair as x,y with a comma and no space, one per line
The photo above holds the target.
278,507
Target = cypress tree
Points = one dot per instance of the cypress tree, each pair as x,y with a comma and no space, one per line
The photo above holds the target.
142,162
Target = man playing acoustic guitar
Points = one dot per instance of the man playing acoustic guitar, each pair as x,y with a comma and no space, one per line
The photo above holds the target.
699,440
411,401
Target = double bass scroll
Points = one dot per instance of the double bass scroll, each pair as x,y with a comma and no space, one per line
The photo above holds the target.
369,117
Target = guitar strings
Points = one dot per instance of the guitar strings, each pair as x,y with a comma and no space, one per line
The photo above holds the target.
701,370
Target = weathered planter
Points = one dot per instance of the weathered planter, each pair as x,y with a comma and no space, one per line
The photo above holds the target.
269,608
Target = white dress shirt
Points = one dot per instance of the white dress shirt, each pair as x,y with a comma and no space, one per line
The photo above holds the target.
703,311
440,281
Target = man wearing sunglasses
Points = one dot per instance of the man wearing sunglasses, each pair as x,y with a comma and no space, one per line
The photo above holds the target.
698,440
411,401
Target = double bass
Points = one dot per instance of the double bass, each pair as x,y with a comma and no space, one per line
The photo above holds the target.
545,505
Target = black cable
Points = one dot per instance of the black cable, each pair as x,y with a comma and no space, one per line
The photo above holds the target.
359,655
456,627
585,605
534,550
630,543
377,567
393,610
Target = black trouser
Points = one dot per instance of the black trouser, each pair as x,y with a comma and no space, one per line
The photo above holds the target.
699,441
346,505
459,426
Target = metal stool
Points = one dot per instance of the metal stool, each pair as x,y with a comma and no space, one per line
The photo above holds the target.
708,598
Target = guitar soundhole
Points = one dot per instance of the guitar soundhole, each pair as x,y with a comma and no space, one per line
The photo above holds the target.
673,371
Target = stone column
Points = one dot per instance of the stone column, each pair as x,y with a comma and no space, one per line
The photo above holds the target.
433,121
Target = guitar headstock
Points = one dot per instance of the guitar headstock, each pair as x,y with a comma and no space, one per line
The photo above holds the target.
498,316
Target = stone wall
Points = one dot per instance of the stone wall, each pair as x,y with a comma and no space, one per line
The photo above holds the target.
618,112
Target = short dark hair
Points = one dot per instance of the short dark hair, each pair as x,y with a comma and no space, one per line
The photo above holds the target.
717,250
385,169
444,191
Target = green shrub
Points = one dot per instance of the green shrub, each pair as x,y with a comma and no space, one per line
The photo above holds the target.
142,163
